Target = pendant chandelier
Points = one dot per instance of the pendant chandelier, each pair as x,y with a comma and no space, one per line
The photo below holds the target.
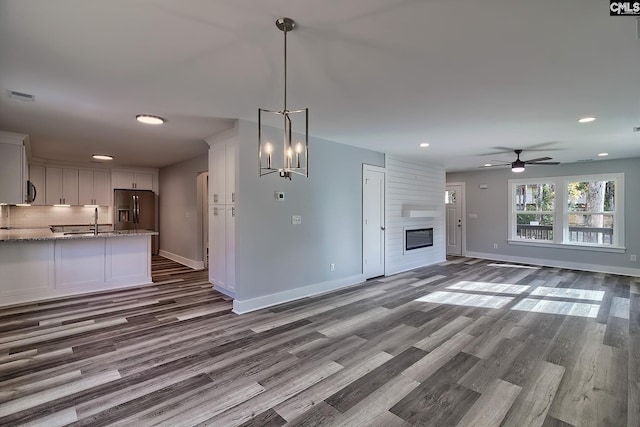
273,125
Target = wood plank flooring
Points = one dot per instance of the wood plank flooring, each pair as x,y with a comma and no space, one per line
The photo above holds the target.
468,342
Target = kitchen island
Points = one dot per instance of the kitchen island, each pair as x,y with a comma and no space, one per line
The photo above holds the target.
38,264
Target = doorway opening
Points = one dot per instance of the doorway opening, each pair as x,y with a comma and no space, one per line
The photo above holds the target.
203,216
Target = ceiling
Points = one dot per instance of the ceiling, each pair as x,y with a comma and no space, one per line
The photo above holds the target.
463,75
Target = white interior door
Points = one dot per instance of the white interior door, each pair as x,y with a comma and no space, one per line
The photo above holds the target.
453,201
373,221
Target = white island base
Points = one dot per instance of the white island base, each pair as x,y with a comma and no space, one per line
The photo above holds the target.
37,269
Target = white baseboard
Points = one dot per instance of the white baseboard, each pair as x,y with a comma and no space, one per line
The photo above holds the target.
609,269
241,307
196,265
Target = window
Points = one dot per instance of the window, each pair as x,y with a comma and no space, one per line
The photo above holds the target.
534,210
585,211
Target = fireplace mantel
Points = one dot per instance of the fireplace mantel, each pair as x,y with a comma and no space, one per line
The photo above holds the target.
419,212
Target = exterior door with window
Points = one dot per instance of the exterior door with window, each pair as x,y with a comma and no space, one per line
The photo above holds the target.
453,202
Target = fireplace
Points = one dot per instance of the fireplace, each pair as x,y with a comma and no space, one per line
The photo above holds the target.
418,238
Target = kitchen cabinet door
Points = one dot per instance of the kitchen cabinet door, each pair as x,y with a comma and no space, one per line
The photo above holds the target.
101,187
217,246
85,187
12,173
230,248
143,181
230,173
123,180
70,186
132,180
93,188
217,174
54,186
61,186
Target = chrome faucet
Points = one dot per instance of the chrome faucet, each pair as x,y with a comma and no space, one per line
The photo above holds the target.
95,222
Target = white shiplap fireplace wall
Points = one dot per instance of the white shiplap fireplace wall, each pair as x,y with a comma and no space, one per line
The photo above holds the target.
417,184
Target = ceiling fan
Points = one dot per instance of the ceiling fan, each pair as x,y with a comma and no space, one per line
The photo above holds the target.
518,165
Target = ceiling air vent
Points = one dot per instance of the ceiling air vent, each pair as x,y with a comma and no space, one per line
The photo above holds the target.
21,96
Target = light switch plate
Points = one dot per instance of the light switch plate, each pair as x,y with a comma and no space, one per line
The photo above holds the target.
279,195
296,219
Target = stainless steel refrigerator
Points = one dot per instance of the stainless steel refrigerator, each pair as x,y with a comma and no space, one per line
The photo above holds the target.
136,210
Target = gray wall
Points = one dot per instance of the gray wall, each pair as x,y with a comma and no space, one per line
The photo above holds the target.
492,209
275,256
178,208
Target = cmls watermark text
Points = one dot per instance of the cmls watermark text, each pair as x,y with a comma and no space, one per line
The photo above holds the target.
624,8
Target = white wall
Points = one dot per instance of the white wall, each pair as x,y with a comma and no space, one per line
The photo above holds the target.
276,260
492,210
180,237
410,182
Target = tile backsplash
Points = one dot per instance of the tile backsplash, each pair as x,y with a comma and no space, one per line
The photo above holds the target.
44,216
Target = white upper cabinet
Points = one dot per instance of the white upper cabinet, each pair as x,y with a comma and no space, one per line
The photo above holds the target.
61,186
133,180
94,188
222,182
13,168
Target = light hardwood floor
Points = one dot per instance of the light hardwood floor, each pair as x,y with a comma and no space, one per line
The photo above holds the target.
463,343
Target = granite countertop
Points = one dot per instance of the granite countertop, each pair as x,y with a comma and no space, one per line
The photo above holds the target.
33,234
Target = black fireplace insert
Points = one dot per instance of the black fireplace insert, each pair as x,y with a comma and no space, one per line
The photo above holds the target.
418,238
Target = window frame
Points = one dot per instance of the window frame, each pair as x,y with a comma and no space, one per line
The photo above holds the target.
561,213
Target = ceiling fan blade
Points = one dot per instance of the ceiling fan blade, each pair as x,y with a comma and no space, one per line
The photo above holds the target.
494,166
539,159
543,163
537,147
503,150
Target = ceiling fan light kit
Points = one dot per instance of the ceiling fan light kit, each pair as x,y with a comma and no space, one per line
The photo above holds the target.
518,165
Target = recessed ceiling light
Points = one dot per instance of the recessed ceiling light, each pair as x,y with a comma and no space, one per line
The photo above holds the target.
587,119
602,154
486,165
150,120
424,144
102,157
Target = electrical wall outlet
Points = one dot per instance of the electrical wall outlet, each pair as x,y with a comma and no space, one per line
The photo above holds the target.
332,267
495,246
296,219
634,258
